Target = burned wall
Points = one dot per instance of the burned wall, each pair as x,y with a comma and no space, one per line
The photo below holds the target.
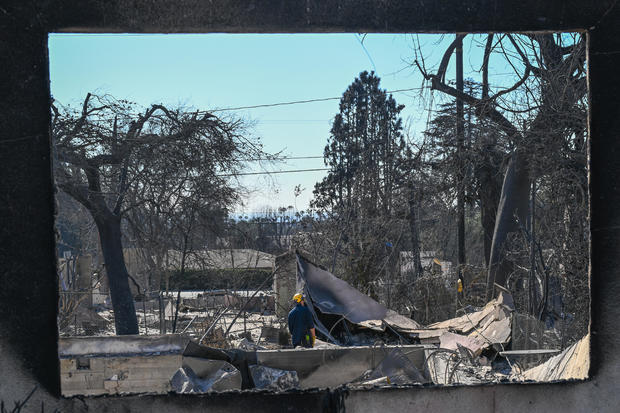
28,297
284,282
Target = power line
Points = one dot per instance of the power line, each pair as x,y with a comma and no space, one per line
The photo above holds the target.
269,105
285,158
276,172
361,40
293,120
296,102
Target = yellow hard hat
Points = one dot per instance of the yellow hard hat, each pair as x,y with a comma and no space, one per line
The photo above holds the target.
298,297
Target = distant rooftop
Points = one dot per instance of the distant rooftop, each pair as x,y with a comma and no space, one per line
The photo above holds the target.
223,259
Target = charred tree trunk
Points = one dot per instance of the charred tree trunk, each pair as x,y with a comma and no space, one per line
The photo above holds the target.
532,299
488,213
513,205
489,195
181,277
460,175
125,319
415,237
488,175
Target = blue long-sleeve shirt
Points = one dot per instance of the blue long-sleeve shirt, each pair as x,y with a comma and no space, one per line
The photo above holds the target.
299,324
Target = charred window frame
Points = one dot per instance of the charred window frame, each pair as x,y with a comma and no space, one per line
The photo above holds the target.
28,298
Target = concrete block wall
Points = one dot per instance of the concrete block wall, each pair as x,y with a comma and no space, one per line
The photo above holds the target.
117,375
284,282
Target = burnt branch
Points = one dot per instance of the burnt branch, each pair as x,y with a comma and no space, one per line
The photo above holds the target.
488,48
483,108
443,66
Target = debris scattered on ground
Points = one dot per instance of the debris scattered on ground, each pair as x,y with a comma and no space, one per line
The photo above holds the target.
217,375
274,379
324,344
490,325
572,363
460,366
334,366
396,368
185,380
362,344
451,341
240,359
245,344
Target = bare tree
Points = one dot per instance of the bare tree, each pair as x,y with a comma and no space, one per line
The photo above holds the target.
538,112
111,160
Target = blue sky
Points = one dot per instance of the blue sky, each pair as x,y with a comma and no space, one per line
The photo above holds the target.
211,71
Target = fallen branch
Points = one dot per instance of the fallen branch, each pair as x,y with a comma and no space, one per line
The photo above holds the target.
213,324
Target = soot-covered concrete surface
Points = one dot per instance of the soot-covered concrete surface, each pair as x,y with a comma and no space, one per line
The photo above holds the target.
28,282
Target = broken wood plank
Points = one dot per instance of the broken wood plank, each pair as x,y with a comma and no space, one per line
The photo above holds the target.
451,341
528,352
572,363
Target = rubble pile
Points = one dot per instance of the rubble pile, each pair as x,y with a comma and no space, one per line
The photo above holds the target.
226,377
268,378
484,328
361,344
344,315
458,367
395,368
572,364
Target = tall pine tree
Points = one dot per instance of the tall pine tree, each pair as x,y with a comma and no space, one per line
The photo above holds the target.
365,153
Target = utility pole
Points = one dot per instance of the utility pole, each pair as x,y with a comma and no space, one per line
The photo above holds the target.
532,281
460,148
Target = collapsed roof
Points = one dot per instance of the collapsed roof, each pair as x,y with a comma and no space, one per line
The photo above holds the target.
331,295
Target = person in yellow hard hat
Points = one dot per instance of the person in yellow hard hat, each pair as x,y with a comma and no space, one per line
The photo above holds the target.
300,323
